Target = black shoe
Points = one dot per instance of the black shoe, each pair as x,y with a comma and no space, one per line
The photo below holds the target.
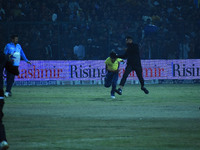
119,91
145,90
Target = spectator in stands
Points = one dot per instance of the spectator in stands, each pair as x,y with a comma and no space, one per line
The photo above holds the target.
79,50
87,17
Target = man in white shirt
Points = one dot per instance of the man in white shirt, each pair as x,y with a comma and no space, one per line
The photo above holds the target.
79,51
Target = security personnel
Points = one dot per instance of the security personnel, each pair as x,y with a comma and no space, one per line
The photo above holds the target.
133,63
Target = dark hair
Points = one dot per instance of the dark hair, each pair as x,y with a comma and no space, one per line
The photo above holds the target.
129,37
13,36
113,55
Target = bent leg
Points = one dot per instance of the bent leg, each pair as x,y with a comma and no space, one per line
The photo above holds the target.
108,79
10,80
114,83
141,79
125,75
139,75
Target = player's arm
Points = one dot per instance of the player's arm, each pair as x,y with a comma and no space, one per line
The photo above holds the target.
123,56
106,67
122,61
6,50
118,66
106,64
24,56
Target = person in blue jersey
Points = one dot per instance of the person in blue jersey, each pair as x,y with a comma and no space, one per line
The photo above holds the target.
15,52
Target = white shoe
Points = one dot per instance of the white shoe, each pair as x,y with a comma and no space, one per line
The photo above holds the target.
113,97
7,94
4,145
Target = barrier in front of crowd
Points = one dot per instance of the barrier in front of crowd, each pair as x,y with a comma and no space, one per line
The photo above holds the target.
62,72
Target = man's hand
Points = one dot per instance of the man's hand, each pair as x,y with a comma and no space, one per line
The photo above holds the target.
123,62
29,62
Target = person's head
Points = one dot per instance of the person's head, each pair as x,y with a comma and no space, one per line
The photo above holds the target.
113,56
14,38
129,40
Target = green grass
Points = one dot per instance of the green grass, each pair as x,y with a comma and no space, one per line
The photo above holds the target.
85,118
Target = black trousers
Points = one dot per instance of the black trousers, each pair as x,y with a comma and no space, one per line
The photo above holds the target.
2,129
10,79
128,70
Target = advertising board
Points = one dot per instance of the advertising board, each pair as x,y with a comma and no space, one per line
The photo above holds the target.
95,70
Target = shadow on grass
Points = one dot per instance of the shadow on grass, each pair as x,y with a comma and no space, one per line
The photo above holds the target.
98,99
106,99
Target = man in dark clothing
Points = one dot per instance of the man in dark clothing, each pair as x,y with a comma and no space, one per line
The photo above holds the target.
4,63
133,63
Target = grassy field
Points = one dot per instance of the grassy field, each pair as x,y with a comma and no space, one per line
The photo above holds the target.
85,118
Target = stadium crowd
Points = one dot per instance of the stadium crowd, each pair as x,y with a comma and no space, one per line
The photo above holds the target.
84,29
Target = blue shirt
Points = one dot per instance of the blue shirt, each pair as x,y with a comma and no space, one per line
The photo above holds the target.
16,53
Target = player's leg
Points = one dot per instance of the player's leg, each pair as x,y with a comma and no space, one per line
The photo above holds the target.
9,81
123,80
141,79
3,141
125,75
114,84
108,79
138,72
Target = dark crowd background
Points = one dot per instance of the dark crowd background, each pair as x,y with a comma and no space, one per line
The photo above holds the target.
90,29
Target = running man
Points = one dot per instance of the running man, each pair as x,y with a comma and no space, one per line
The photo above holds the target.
112,67
133,64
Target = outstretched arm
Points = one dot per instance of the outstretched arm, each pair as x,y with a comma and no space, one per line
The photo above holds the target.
123,56
24,56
